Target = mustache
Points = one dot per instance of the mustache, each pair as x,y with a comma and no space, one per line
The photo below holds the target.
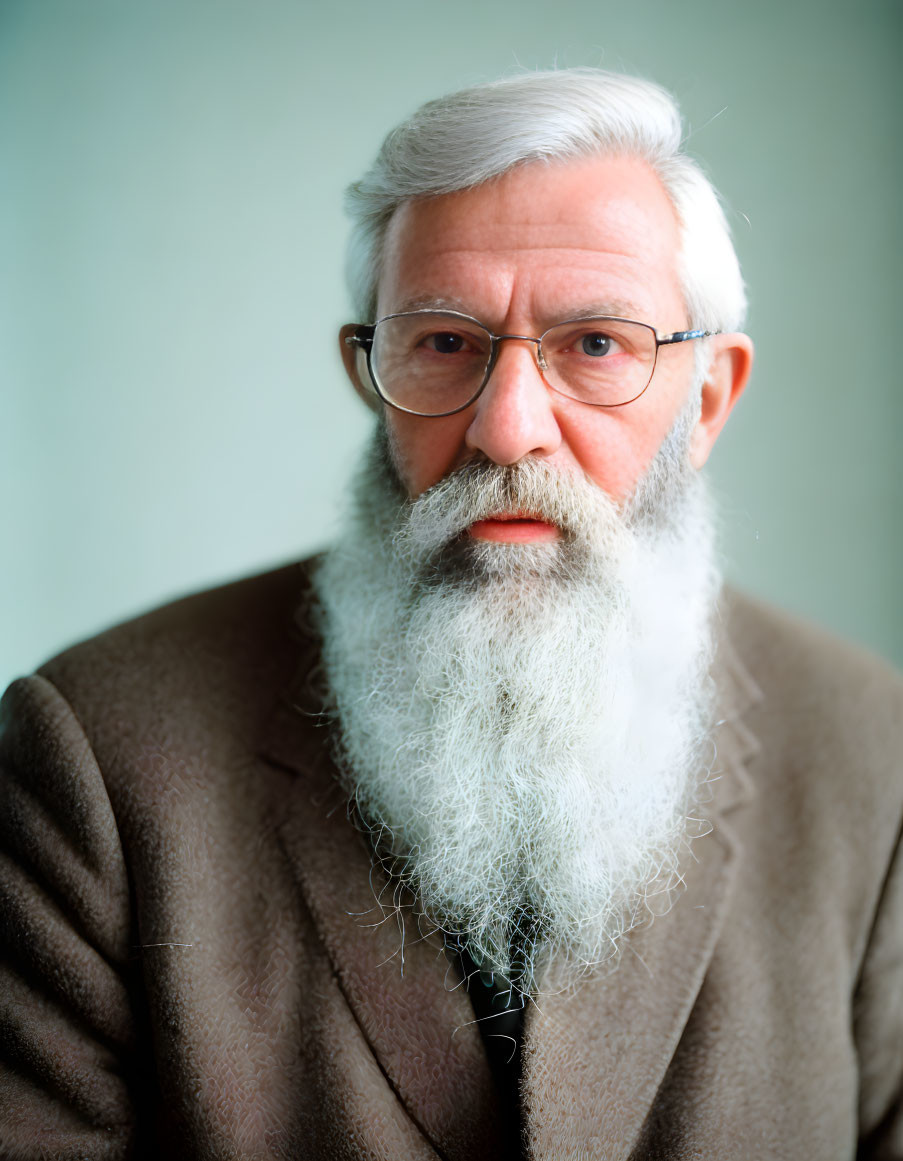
430,541
481,489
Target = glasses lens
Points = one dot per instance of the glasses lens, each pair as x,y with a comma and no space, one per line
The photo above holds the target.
600,361
430,363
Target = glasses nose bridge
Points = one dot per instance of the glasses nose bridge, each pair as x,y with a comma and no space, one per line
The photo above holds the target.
497,340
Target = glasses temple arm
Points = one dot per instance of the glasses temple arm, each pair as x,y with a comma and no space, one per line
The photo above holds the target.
683,336
362,337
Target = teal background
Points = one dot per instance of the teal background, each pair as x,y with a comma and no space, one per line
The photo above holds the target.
171,244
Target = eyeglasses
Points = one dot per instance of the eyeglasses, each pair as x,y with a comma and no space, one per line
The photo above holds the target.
437,362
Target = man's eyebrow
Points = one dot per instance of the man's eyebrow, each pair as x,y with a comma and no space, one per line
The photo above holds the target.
608,308
613,308
431,302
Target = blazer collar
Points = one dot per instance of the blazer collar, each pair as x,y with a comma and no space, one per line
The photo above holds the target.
593,1059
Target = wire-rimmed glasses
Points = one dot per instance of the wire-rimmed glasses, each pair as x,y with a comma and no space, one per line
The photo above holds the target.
436,362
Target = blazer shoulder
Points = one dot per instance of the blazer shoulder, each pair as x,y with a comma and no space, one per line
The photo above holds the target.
223,651
829,723
809,663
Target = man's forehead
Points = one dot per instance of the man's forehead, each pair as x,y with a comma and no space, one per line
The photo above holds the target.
588,237
539,205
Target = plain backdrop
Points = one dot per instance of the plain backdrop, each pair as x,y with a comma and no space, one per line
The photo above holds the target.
171,247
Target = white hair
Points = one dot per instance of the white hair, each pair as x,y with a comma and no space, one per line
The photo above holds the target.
469,137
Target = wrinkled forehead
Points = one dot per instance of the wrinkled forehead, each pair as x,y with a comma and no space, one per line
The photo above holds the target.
545,232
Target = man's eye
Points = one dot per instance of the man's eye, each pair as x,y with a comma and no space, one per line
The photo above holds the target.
597,344
445,343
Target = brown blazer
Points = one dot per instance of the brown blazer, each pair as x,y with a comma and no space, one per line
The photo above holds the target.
194,966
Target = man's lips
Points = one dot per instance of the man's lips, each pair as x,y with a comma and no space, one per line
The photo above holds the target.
514,528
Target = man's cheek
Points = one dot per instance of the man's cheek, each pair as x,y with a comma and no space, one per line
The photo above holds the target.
423,450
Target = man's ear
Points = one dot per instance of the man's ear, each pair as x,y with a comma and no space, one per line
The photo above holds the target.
731,363
355,360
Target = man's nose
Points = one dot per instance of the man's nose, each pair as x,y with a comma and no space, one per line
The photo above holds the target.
514,416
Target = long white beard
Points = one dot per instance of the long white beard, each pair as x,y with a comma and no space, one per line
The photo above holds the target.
523,727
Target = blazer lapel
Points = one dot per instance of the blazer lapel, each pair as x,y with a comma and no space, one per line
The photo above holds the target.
400,987
594,1060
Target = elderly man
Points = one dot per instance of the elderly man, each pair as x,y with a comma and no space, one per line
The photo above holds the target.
500,829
